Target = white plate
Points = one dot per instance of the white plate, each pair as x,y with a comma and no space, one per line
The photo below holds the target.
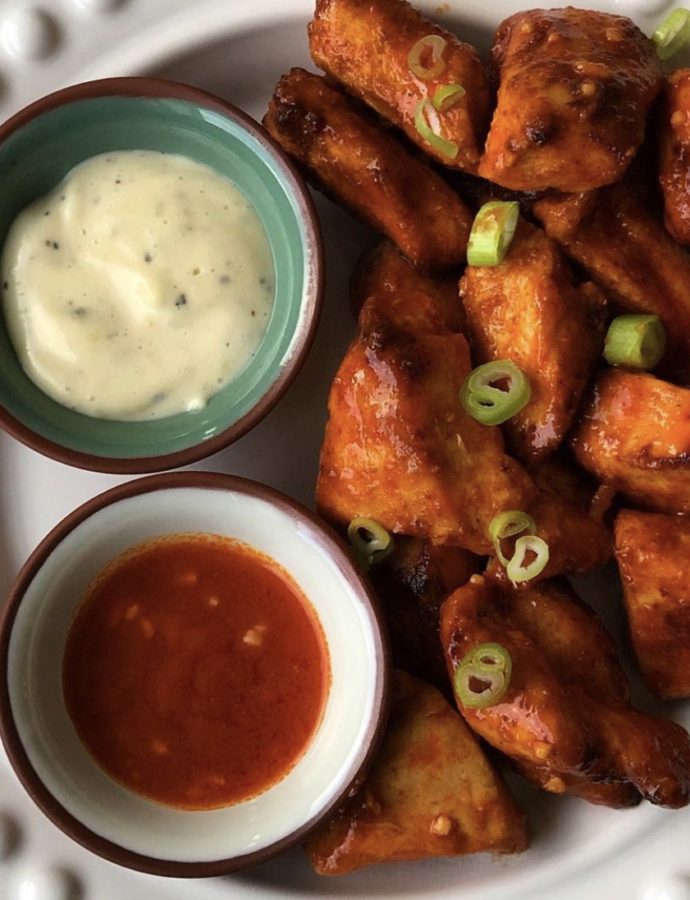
238,49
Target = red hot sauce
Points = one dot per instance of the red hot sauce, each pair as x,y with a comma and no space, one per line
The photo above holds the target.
195,671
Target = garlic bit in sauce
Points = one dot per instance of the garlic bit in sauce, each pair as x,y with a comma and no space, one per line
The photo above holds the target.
139,287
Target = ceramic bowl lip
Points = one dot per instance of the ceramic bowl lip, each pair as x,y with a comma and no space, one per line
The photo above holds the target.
161,88
325,538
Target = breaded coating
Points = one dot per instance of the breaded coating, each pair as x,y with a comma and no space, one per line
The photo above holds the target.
412,584
399,446
674,154
653,553
363,167
623,247
383,270
366,45
528,309
575,89
534,721
577,541
585,696
634,434
431,792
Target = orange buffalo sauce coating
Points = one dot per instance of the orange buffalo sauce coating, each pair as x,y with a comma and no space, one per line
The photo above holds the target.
195,671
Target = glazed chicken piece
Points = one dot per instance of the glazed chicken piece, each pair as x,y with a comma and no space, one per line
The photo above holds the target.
674,154
431,792
534,722
366,45
575,89
627,252
578,542
567,684
399,446
649,752
361,166
653,553
383,270
527,309
634,434
412,584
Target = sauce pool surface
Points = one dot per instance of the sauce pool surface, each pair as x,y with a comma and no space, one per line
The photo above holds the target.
139,287
195,671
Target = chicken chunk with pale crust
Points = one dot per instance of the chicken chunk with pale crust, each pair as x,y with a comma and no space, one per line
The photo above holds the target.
431,792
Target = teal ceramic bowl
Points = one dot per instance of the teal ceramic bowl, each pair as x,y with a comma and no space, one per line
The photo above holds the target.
40,145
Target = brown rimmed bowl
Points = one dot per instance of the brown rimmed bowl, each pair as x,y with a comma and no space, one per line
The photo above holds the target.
41,742
43,142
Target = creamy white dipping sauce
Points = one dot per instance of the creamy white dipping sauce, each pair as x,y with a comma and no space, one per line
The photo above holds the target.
139,287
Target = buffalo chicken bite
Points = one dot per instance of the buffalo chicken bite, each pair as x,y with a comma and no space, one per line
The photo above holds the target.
394,59
347,154
634,434
626,251
575,89
431,792
566,712
527,309
399,447
653,553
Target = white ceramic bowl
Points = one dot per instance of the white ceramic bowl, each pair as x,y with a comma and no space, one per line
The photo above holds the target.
41,741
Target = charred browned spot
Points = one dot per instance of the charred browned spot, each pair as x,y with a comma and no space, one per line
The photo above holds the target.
539,132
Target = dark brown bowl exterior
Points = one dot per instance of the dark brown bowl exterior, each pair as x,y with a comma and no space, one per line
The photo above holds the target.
163,88
324,537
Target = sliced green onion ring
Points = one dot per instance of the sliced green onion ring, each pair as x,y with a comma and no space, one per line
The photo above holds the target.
672,34
427,124
491,405
369,539
431,46
447,96
492,232
638,341
483,676
490,657
508,524
516,569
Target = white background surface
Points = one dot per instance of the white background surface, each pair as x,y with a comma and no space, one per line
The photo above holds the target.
239,49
